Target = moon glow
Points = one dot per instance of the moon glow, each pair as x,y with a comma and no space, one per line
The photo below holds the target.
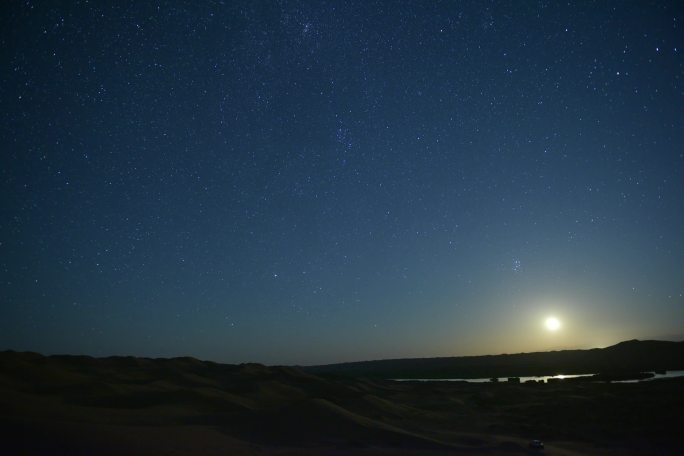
552,324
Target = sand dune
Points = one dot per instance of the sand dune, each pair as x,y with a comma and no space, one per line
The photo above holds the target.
124,405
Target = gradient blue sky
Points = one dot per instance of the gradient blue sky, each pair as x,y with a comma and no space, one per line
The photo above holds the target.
313,182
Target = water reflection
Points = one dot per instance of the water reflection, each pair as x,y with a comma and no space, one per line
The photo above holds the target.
541,379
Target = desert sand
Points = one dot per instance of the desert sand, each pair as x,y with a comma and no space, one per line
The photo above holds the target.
125,405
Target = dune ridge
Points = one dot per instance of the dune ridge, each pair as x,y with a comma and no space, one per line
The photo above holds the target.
127,405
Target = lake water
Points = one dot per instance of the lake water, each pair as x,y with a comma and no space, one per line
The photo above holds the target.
544,378
668,374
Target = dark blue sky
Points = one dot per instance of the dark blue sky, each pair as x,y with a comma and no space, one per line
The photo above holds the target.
310,182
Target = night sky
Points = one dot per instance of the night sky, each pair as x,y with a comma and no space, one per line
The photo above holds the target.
315,182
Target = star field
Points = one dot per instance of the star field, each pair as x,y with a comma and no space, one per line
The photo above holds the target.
311,182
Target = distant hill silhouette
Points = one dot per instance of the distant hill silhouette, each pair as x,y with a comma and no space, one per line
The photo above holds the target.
628,356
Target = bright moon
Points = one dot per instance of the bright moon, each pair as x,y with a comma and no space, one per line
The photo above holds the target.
552,323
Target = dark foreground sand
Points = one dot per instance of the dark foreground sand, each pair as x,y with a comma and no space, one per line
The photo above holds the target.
81,405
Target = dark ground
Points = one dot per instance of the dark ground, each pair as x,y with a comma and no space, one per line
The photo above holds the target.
81,405
628,357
